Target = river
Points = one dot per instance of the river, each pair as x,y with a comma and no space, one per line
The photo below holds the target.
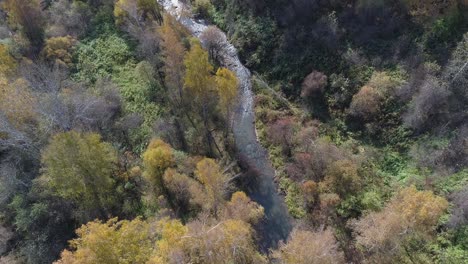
260,186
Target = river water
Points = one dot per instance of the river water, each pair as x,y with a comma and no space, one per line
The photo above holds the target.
260,186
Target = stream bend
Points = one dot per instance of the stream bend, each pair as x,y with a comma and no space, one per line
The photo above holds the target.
261,186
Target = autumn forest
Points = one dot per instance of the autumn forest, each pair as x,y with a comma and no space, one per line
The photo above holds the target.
233,131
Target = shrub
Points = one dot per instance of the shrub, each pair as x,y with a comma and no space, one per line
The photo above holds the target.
313,84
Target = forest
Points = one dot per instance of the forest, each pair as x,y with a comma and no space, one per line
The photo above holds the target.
233,131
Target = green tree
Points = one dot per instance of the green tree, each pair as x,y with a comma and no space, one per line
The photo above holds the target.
342,177
79,167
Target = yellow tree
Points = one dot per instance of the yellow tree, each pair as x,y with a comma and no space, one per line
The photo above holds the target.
157,158
382,234
227,84
199,84
171,242
59,49
214,183
17,102
366,103
306,247
7,62
125,242
198,79
174,53
240,207
229,241
79,167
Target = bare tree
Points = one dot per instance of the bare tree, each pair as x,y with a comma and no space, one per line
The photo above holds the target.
66,17
459,216
214,41
427,104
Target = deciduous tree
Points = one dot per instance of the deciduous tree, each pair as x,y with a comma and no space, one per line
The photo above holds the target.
281,133
240,207
136,10
27,15
157,158
110,242
198,81
199,84
17,102
227,85
66,17
79,167
425,11
342,177
213,40
174,53
382,235
313,84
229,241
59,49
215,184
7,62
366,103
306,247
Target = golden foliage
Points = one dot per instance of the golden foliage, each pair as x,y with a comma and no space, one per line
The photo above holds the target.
157,158
227,85
306,247
174,53
171,243
198,81
125,242
17,102
310,189
382,234
183,188
7,62
27,16
214,183
240,207
59,49
366,103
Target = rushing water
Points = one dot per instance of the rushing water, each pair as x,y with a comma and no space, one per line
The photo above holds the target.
260,187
